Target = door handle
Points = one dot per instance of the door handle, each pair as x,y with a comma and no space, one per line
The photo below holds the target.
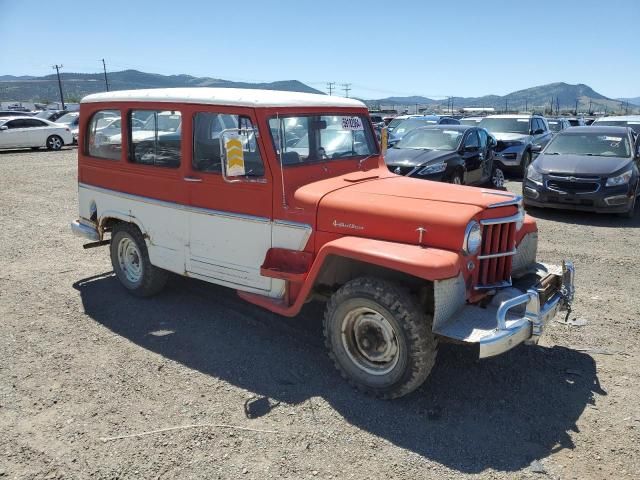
192,179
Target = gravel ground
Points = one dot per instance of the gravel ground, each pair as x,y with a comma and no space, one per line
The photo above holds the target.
82,361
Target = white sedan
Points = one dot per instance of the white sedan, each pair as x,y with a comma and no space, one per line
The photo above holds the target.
17,132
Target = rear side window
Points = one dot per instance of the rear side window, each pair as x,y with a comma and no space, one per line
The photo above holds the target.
154,137
209,128
103,138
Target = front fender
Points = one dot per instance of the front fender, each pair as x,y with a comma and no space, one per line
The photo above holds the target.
427,263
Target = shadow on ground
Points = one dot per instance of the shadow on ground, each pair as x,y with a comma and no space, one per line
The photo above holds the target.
500,413
610,220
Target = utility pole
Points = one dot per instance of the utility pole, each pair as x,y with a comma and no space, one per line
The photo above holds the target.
590,106
330,87
506,105
346,87
557,105
526,104
576,106
106,81
58,67
451,106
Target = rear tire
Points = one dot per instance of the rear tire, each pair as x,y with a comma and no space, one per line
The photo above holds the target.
379,338
130,260
54,142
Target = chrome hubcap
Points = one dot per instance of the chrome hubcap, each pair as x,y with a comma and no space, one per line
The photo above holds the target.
55,143
129,259
370,341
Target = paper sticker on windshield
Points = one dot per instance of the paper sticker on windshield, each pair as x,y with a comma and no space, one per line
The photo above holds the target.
522,120
235,156
352,123
612,139
450,132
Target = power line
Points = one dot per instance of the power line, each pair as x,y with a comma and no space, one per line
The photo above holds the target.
58,67
346,87
106,81
330,87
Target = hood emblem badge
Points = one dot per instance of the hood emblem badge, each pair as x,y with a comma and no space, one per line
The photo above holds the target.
352,226
421,231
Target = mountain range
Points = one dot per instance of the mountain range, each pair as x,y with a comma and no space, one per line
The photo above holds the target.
77,85
561,94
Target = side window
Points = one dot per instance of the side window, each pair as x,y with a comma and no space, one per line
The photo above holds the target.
14,124
32,122
471,141
538,125
208,130
483,138
154,137
101,139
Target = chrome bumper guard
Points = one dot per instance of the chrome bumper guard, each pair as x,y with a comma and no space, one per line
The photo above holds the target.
514,316
85,229
529,327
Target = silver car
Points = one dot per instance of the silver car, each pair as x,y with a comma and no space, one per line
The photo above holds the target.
516,135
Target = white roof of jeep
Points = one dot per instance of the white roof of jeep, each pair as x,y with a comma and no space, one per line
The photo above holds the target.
225,96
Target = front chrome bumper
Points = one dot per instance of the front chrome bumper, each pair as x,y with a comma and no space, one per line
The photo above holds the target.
84,229
521,318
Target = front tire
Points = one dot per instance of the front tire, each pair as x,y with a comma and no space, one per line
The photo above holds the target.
379,338
497,178
457,178
525,162
54,142
130,260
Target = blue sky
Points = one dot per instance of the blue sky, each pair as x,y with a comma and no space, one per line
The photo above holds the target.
383,48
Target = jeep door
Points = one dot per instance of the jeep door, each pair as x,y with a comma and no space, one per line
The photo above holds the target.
230,217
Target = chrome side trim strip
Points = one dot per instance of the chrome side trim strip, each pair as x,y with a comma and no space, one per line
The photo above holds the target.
496,255
178,206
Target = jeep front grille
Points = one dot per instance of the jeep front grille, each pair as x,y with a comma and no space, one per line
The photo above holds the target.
498,248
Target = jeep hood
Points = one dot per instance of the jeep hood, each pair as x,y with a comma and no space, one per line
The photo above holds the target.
377,204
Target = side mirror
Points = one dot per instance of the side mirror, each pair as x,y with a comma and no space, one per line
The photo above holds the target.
536,148
4,127
539,131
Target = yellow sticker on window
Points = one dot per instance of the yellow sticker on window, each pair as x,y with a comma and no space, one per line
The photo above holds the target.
235,156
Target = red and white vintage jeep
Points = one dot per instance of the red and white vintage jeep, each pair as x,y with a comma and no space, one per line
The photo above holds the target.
285,197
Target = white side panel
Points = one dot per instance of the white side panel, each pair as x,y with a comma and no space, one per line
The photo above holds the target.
293,236
228,247
163,224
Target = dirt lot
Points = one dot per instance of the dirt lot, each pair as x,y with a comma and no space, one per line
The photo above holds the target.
82,360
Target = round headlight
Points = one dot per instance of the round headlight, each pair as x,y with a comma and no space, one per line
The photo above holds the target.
472,238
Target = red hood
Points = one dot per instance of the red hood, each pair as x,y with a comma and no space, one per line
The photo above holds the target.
378,204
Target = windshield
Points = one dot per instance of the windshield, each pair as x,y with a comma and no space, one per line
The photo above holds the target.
596,144
619,123
469,121
431,139
68,117
506,125
554,125
317,138
412,123
44,114
394,123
